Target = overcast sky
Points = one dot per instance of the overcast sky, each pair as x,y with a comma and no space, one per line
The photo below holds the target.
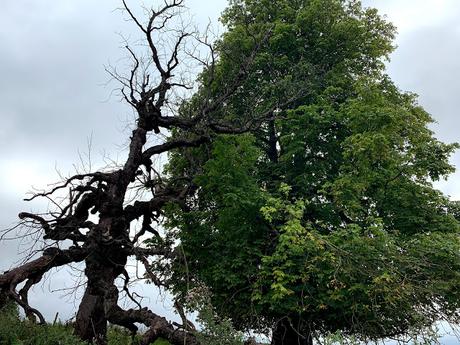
54,93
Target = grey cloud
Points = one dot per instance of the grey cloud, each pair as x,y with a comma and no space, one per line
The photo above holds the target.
52,72
426,62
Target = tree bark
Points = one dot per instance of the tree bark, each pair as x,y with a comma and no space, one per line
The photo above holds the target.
3,299
103,266
91,323
291,331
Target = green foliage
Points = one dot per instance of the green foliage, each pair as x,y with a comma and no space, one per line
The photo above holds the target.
327,213
427,336
234,231
338,339
313,46
358,272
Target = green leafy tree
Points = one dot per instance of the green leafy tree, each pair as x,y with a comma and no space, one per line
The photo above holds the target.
324,218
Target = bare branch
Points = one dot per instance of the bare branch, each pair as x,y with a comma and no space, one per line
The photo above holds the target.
174,144
133,17
32,273
97,176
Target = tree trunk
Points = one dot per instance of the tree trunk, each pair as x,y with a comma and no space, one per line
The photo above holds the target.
291,331
91,323
102,267
3,299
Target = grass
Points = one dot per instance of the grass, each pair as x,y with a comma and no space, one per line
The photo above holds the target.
15,331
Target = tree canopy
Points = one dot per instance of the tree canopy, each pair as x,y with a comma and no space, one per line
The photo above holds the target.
324,218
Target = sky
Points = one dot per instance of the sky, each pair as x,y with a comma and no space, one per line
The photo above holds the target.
55,96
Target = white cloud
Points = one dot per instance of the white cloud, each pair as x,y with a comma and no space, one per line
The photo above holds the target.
426,62
18,176
410,15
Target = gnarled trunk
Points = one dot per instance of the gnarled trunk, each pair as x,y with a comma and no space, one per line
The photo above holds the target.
291,331
91,323
103,265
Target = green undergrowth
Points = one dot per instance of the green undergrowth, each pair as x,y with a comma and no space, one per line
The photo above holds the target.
16,331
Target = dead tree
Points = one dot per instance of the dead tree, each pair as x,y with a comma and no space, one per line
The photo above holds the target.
96,217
